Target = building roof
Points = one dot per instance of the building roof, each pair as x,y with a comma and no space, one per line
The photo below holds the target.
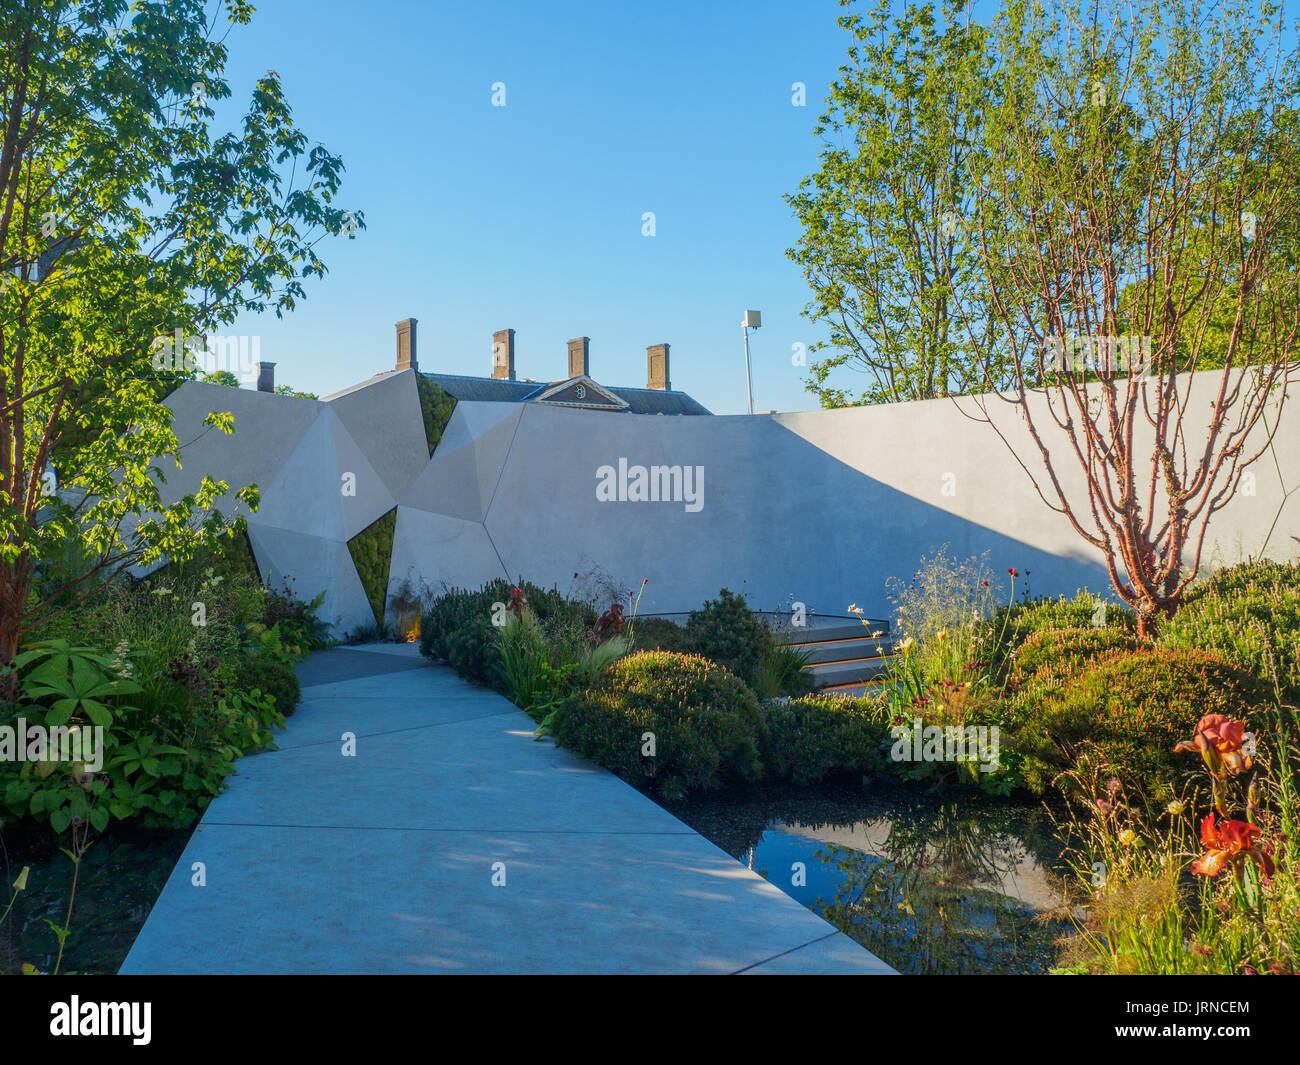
492,389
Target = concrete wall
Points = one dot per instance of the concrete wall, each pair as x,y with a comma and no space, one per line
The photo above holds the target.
824,506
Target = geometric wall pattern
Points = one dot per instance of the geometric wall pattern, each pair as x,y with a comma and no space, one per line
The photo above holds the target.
822,506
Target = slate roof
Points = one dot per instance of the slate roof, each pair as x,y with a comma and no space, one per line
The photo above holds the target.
491,389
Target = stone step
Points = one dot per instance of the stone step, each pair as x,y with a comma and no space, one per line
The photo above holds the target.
866,688
831,674
843,650
820,629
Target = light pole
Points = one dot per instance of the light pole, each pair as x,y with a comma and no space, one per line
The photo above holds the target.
753,320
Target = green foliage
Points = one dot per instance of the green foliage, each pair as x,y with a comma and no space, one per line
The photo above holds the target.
1128,712
266,675
707,726
780,671
726,632
436,407
458,627
1058,652
1247,613
180,701
883,243
815,737
73,681
1082,610
160,224
161,770
372,551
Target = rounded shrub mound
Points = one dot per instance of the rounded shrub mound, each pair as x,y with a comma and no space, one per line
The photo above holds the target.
706,725
1247,614
1129,711
811,738
271,677
1062,652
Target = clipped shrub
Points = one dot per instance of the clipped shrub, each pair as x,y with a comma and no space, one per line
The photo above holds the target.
1242,613
1061,652
727,632
271,677
707,726
1130,710
814,737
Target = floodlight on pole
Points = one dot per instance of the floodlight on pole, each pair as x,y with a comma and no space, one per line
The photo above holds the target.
753,320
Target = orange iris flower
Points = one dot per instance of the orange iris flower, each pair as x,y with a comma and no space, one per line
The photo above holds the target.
1229,843
1219,740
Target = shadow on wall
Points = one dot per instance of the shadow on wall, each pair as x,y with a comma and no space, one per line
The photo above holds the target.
779,518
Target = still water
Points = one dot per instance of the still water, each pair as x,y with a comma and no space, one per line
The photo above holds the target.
120,878
951,883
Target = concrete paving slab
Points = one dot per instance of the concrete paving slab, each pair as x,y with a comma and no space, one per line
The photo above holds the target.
454,842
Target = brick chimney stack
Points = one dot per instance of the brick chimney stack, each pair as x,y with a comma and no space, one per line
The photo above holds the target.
266,377
657,367
503,355
406,356
580,356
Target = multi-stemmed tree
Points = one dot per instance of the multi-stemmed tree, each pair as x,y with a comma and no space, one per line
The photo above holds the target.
1137,216
122,220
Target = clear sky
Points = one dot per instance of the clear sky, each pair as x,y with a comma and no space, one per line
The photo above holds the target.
529,216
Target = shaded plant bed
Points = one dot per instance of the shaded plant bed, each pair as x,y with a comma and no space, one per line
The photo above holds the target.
941,880
121,877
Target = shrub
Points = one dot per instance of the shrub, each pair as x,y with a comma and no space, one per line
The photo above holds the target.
660,634
458,627
271,677
814,737
1130,710
707,725
1081,611
1242,612
727,632
1061,652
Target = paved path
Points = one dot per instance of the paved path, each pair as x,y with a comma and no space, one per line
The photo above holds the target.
383,862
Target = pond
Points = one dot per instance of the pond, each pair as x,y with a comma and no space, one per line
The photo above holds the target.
941,883
121,877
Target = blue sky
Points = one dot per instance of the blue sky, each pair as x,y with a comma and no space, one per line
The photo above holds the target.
529,216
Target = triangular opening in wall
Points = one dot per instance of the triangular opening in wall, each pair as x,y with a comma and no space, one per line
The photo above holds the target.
372,554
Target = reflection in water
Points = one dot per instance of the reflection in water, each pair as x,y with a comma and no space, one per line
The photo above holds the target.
931,886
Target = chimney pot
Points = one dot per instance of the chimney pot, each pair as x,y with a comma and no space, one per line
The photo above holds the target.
580,356
266,377
503,355
406,354
657,367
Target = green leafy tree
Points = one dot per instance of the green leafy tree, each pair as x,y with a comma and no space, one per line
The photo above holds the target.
123,220
885,215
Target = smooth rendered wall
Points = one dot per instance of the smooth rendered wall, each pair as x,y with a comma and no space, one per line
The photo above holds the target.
824,507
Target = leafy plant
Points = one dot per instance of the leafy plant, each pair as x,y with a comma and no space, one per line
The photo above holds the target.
678,722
